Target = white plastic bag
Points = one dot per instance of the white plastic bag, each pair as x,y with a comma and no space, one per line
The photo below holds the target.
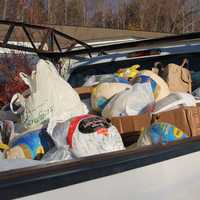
173,101
7,131
132,101
102,93
57,154
196,92
105,78
87,135
51,99
159,86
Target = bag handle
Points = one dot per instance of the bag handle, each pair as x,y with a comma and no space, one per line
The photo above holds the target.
16,100
185,63
25,78
30,80
159,68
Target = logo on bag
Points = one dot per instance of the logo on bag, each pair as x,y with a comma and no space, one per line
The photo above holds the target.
93,124
88,124
37,116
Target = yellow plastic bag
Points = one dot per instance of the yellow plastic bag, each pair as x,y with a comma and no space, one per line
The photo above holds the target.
3,146
128,73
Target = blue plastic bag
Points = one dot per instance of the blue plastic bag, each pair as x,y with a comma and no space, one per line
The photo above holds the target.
31,145
160,133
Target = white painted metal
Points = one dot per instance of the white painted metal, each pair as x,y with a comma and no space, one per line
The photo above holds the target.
122,54
23,44
108,42
174,179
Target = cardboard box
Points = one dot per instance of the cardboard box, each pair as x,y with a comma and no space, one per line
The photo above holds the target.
193,116
131,124
187,119
84,90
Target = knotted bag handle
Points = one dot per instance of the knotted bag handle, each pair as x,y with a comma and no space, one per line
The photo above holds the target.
17,99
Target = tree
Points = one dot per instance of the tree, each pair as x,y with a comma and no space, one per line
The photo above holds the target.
3,4
98,14
36,13
56,12
75,12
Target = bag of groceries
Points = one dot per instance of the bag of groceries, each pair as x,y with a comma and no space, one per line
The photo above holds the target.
128,73
160,133
173,101
57,154
87,135
103,92
178,77
134,101
51,98
105,78
30,145
159,86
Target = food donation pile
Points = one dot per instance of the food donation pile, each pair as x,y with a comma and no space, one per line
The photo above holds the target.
49,121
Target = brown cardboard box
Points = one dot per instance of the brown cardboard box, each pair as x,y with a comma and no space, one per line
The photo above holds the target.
187,119
193,116
84,90
131,124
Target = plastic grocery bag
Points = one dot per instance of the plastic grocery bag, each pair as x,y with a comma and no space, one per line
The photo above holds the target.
1,157
173,101
105,78
134,101
160,133
196,93
30,145
128,73
102,93
87,135
159,86
58,154
51,98
7,131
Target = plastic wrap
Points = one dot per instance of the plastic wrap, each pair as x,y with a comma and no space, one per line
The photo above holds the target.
160,133
173,101
51,99
30,145
196,93
58,154
133,101
106,78
102,93
87,135
159,86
